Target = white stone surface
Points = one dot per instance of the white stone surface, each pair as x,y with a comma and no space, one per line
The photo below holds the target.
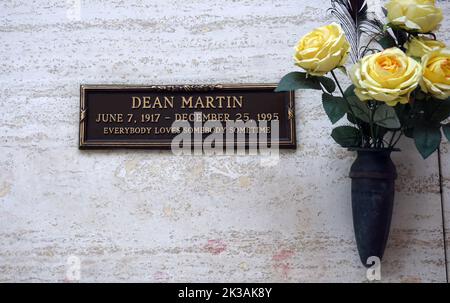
445,178
444,34
150,216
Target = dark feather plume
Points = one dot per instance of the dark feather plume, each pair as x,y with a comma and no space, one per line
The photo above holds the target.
356,20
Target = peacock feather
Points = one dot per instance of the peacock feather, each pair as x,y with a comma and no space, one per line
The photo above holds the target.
356,21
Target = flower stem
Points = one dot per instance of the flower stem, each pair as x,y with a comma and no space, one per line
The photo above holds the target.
398,139
338,85
392,139
372,112
348,103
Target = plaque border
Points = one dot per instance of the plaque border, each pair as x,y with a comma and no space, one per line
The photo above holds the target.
165,144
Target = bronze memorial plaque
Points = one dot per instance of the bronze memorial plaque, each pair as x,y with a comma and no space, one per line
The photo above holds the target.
143,116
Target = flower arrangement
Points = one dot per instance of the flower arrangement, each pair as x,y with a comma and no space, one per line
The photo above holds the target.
400,77
400,87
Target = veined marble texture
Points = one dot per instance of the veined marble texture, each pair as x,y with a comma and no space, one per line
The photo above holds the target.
149,216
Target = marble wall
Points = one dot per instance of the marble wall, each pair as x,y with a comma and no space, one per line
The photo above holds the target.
150,216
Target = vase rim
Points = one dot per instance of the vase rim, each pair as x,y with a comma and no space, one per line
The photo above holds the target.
370,149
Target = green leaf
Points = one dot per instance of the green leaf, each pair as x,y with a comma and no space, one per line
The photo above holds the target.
346,136
441,110
350,91
328,84
387,41
427,139
297,80
402,111
446,129
365,127
385,116
409,132
359,108
352,119
335,107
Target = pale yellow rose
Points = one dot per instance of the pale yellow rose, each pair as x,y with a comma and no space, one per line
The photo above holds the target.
417,47
414,15
389,76
322,50
436,73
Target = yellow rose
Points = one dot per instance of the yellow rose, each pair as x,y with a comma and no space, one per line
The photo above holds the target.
414,15
417,47
389,76
436,73
322,50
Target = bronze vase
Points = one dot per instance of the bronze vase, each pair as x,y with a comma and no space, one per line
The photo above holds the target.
373,177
